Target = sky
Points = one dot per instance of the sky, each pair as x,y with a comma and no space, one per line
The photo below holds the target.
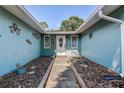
55,14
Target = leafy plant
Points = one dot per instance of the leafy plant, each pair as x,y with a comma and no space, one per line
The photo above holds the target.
71,24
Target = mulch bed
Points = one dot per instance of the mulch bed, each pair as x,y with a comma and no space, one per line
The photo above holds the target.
92,74
12,80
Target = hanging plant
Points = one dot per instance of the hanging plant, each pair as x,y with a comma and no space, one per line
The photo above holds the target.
14,28
36,35
28,41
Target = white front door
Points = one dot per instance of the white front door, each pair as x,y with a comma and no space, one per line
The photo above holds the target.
60,44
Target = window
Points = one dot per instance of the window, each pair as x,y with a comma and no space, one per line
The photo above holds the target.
74,41
47,41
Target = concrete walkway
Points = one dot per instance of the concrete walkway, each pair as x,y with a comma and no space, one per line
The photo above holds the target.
62,75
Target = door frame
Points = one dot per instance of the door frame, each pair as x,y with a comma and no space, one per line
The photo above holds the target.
64,36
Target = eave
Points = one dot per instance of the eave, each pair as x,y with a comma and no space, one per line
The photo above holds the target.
20,12
94,17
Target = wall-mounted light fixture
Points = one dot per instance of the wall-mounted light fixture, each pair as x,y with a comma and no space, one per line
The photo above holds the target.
14,28
90,35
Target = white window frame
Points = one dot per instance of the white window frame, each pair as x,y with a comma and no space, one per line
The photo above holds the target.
45,41
76,41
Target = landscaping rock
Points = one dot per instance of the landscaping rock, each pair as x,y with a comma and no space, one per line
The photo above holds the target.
92,74
35,70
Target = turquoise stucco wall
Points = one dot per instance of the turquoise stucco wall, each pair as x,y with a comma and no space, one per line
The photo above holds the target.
51,51
105,41
14,49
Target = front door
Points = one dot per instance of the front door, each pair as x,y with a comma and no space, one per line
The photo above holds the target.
61,44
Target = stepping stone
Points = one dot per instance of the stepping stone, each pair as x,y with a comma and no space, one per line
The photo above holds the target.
31,72
33,67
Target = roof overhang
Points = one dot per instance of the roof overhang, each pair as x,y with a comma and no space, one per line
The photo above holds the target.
91,20
20,12
94,17
61,32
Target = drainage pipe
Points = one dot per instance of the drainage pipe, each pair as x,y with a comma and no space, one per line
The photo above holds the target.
101,15
121,22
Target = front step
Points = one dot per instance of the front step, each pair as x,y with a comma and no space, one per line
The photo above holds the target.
61,56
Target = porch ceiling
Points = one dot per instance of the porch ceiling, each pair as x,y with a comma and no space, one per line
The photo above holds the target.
61,32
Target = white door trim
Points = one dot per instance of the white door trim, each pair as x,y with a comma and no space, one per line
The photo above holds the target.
63,46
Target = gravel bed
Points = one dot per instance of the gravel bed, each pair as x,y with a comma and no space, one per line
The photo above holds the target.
35,70
92,74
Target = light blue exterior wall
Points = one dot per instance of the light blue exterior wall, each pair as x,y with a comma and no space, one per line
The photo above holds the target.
14,49
105,41
51,51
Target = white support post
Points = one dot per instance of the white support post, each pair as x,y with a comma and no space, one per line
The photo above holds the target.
122,49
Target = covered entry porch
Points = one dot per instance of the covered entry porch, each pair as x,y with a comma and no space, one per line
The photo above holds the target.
60,45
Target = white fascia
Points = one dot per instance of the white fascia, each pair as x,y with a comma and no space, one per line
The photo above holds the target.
121,22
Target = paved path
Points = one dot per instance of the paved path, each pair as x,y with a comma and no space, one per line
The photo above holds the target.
61,75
